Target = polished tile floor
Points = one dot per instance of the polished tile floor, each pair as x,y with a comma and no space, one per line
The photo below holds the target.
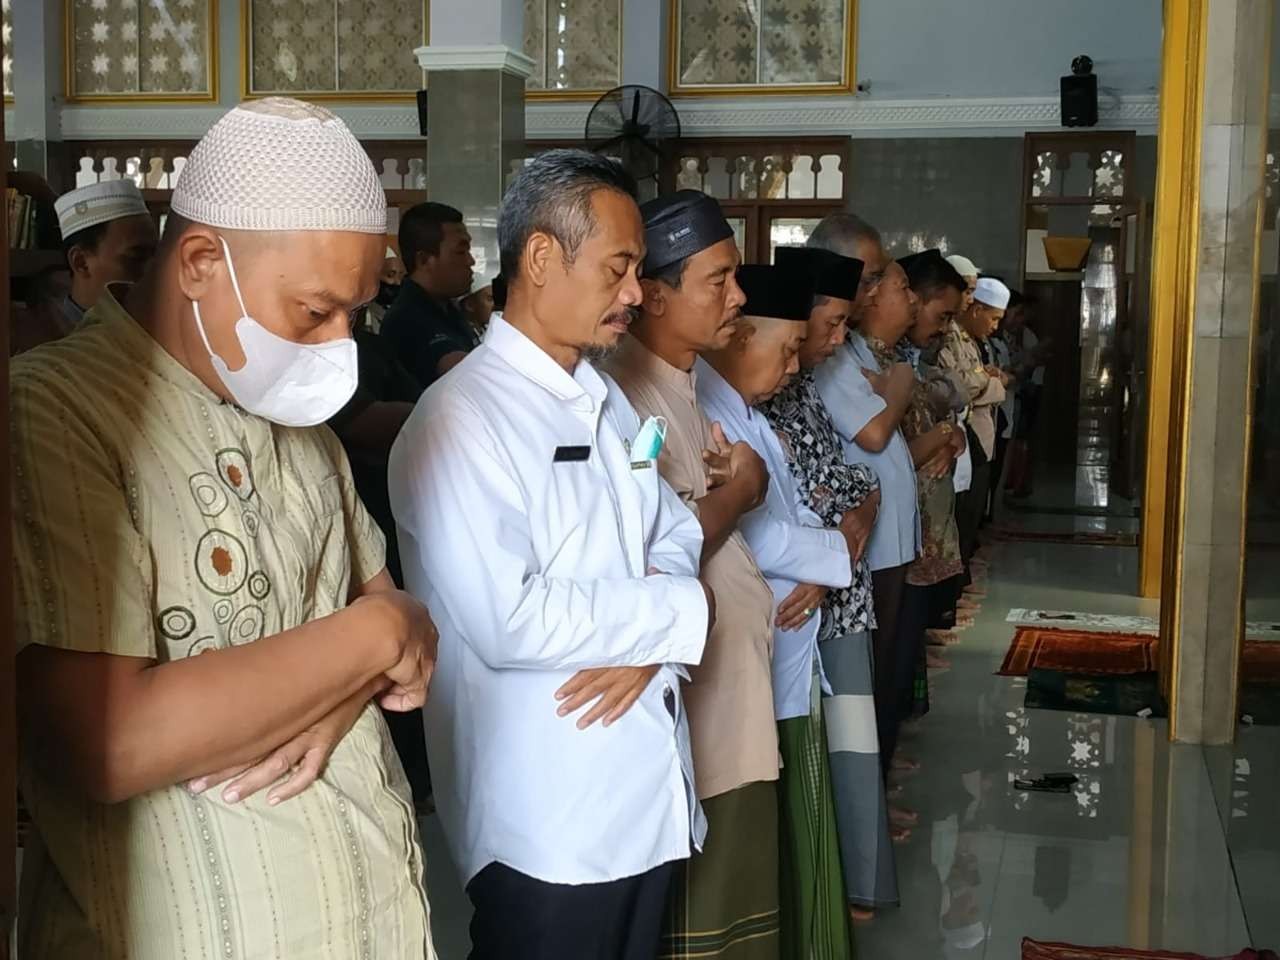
1136,855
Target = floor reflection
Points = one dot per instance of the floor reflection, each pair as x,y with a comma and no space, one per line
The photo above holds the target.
1120,860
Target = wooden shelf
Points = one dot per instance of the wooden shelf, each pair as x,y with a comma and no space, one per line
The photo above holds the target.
1056,276
26,263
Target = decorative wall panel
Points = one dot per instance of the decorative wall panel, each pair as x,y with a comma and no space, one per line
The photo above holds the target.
765,45
576,45
141,49
333,48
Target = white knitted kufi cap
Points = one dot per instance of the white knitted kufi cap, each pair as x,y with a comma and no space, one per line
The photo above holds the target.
964,266
281,164
991,292
97,203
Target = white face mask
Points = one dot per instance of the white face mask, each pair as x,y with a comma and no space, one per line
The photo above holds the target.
294,384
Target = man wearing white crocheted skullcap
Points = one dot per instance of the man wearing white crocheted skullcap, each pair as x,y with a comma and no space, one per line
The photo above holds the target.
967,269
108,235
205,622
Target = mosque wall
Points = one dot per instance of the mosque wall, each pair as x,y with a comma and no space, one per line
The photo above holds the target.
964,188
931,69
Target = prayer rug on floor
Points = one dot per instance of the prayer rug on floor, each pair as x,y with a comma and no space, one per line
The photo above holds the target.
1113,654
1036,950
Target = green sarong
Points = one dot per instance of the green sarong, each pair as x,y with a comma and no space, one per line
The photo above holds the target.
724,901
815,924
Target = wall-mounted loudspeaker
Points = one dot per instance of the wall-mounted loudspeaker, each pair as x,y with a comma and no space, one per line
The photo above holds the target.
422,112
1080,95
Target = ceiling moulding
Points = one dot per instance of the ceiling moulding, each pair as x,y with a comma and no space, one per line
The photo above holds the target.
856,117
565,120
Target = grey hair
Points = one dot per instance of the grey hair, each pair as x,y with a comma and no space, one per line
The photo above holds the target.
552,195
840,233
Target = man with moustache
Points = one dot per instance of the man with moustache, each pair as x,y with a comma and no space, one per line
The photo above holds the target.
846,496
802,560
200,594
867,393
985,386
935,441
565,572
423,324
725,902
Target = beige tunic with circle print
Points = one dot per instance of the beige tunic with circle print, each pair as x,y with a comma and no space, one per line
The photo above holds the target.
153,520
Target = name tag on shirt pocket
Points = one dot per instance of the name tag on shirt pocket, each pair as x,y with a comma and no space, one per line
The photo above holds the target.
572,454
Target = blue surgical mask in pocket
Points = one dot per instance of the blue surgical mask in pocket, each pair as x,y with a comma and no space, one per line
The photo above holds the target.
648,442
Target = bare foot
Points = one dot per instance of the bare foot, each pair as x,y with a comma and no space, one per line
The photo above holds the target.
904,765
941,638
902,817
860,915
899,835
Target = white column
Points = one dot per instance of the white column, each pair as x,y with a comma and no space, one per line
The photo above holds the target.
37,87
644,43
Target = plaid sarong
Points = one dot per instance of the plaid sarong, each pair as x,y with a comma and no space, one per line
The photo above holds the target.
815,924
724,901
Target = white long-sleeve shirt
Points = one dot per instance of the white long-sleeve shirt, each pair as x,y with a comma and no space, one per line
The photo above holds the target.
527,530
790,544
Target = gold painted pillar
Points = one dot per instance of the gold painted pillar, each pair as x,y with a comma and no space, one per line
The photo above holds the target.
1205,299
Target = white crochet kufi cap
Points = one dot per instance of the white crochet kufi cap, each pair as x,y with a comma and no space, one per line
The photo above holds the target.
992,292
98,203
281,164
964,266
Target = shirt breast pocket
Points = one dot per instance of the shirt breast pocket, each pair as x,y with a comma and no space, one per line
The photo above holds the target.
325,533
647,481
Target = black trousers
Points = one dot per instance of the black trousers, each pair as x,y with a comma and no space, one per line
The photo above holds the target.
969,507
520,918
993,484
887,588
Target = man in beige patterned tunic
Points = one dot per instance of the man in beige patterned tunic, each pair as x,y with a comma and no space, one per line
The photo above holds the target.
204,617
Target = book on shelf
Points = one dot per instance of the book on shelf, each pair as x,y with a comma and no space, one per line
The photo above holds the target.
22,220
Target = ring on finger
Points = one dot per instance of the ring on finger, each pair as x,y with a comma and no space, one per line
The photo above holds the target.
808,612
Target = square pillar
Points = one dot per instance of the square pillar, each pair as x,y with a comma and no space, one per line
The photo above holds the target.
475,133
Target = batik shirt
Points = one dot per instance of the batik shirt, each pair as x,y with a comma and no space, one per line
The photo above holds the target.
153,520
830,486
940,537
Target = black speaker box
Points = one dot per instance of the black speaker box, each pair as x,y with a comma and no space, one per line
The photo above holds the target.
1080,100
422,112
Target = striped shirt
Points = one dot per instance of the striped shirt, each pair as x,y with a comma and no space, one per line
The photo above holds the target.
152,519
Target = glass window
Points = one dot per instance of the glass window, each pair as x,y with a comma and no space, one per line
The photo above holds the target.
790,232
334,47
159,49
772,43
574,44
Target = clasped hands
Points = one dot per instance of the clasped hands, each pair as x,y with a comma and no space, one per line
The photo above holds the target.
300,761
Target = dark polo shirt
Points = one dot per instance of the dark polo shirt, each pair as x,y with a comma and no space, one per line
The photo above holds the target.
422,331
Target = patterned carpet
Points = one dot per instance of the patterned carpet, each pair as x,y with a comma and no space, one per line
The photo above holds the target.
1036,950
1113,654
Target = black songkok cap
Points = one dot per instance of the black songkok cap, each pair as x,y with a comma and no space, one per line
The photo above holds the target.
781,292
914,262
832,275
679,225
